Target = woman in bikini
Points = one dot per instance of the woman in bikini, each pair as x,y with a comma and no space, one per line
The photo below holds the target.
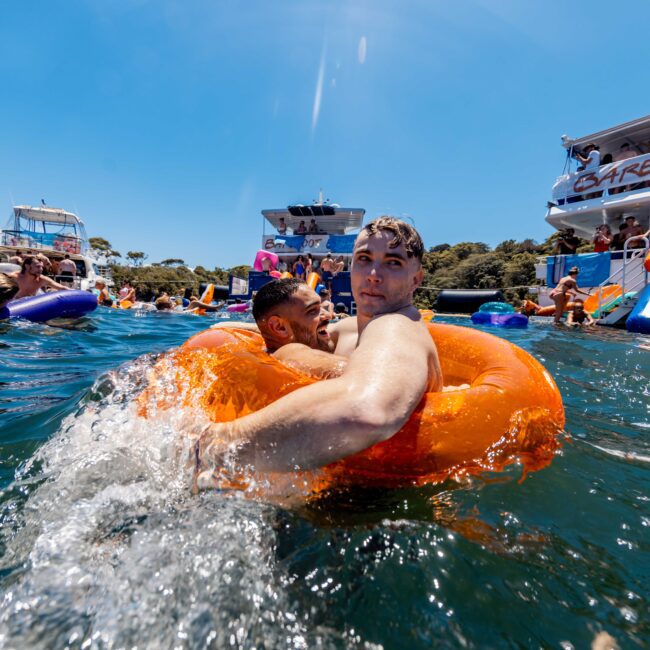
566,289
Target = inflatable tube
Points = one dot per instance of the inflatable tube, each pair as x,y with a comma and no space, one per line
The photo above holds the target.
285,276
465,301
7,267
275,274
497,308
646,263
639,320
313,280
503,319
427,315
238,307
265,255
510,409
58,304
207,295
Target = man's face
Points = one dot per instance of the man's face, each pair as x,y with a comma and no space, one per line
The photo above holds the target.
383,279
308,323
36,267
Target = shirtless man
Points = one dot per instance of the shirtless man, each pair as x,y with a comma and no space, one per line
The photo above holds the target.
566,289
392,363
30,278
328,267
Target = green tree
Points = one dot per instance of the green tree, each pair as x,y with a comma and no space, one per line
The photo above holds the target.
173,261
136,257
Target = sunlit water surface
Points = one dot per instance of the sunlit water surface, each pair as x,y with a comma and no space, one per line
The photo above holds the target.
102,544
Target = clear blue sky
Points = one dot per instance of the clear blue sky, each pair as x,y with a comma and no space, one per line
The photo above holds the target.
169,124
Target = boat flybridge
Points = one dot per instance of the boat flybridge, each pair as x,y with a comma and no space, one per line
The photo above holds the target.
54,232
587,196
319,229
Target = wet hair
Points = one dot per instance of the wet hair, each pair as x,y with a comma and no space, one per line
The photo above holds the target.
272,294
27,261
404,233
8,288
164,302
579,301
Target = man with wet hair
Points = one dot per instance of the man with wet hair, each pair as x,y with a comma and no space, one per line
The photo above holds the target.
30,278
392,363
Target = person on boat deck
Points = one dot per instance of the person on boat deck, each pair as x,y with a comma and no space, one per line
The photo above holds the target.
578,317
392,362
67,266
127,292
633,229
567,242
30,278
282,226
299,268
313,227
590,157
326,302
602,238
103,297
566,289
8,289
300,230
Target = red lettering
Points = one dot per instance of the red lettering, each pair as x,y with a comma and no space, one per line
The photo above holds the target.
609,177
269,244
644,170
629,169
585,182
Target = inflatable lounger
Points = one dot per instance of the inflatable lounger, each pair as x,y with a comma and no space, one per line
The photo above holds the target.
58,304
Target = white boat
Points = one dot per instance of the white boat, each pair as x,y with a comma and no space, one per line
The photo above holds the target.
584,199
54,232
334,233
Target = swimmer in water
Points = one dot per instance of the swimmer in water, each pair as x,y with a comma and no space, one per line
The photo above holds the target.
392,362
577,316
30,279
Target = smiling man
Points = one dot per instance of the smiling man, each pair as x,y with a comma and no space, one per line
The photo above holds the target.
30,278
392,363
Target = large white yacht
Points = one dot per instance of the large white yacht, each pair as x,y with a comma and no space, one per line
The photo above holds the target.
54,232
609,193
333,231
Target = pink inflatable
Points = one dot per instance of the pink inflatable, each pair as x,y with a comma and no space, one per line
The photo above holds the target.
265,255
242,306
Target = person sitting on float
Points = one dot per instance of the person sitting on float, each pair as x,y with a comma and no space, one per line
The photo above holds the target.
31,280
578,317
378,390
8,289
127,292
566,289
103,296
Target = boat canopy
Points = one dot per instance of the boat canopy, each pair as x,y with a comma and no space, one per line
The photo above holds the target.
632,132
50,215
330,218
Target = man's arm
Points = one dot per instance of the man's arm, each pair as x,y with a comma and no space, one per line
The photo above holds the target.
317,363
385,379
48,282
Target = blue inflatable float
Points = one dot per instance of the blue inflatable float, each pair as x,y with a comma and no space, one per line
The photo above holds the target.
58,304
499,314
639,319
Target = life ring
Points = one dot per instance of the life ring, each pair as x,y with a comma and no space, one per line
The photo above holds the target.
56,304
265,255
500,319
646,263
510,409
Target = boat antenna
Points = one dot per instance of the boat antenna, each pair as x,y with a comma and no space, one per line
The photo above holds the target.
42,201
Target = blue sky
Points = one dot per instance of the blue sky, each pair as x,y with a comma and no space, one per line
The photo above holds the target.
169,124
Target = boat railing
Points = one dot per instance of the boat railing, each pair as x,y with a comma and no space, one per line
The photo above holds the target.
631,274
614,178
44,241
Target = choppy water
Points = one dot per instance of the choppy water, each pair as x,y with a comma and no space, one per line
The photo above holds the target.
102,544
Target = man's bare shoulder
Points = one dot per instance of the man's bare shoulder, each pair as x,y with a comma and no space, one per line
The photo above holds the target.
343,325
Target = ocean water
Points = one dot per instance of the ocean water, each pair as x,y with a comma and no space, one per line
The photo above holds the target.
103,545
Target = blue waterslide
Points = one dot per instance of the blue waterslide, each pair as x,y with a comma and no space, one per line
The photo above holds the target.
639,320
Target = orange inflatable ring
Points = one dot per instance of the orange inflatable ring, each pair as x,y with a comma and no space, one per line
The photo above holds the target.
646,263
507,407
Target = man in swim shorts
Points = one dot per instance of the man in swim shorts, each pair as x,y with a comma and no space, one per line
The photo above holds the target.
30,278
392,363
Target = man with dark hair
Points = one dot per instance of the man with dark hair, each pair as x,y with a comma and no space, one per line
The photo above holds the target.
392,363
30,278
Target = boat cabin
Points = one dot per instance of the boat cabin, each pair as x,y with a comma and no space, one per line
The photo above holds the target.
319,230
